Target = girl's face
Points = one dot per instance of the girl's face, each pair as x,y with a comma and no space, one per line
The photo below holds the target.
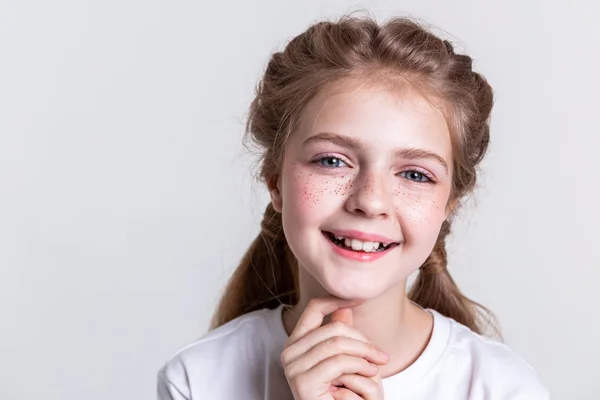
364,187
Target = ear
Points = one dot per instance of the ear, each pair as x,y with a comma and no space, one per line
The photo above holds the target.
274,185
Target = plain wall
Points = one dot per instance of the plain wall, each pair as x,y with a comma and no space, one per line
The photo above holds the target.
126,198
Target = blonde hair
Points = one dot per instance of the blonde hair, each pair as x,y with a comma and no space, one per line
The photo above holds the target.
400,50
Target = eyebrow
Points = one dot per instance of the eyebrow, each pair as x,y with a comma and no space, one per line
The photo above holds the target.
351,143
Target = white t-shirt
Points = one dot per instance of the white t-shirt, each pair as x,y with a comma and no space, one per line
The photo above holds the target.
241,360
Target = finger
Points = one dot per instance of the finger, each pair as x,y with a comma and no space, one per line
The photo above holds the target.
376,379
336,366
316,310
336,329
343,315
313,338
333,346
344,394
366,388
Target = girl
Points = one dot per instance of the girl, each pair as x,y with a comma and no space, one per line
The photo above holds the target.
371,136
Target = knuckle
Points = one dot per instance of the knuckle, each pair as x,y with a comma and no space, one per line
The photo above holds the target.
336,343
285,357
338,327
339,358
312,303
290,370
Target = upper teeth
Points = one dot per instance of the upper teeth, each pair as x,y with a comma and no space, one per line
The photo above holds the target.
358,245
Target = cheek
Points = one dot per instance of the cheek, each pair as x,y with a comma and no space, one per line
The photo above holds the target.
310,194
421,212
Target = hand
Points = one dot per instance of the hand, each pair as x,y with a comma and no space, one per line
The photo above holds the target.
318,360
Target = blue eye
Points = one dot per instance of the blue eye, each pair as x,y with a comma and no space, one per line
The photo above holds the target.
331,162
416,176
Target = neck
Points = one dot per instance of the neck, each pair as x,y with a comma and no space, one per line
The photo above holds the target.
390,321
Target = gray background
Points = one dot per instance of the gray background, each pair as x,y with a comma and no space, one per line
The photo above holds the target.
126,198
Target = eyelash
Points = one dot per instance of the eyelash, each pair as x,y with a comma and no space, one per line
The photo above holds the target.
428,176
319,160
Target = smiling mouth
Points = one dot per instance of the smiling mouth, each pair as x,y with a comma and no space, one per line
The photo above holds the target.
358,246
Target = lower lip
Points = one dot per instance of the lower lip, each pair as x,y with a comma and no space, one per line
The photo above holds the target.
357,255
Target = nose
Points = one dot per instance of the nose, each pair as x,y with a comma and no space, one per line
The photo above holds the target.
369,197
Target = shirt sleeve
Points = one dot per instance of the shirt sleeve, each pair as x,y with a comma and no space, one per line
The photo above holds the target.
166,390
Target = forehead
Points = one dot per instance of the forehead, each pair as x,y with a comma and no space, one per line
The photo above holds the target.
377,112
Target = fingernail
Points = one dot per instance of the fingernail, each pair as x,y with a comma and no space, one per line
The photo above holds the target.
375,367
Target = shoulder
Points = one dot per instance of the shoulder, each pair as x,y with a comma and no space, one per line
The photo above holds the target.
195,367
494,367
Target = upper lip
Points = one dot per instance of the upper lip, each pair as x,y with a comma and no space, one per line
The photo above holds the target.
362,236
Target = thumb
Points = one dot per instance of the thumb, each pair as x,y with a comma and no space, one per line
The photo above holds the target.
343,315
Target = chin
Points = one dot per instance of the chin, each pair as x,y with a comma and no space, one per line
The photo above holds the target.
352,290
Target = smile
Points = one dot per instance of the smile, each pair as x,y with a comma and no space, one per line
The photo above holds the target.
358,245
356,249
